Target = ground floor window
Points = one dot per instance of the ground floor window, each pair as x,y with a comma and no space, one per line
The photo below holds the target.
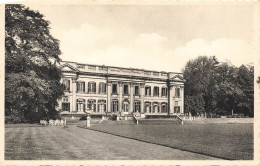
137,106
92,105
147,107
126,105
155,107
80,105
101,105
177,109
164,107
115,106
65,106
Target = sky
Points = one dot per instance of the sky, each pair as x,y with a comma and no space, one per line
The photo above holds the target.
153,37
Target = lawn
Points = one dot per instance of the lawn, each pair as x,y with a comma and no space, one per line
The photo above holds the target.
227,141
28,142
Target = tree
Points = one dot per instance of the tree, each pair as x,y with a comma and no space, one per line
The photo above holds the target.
32,78
200,82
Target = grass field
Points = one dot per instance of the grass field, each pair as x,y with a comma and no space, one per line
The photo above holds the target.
227,141
28,142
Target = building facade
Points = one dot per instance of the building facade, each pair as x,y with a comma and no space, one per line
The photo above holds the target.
106,89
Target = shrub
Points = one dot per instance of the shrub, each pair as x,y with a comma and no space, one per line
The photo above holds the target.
83,117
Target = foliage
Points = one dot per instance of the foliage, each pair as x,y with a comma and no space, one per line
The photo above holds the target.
32,78
218,88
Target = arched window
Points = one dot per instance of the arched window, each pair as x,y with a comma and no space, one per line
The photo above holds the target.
81,105
114,105
125,105
156,107
164,107
65,104
137,106
101,105
92,105
147,107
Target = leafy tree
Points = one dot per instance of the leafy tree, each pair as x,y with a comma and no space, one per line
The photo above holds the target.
222,87
199,75
32,78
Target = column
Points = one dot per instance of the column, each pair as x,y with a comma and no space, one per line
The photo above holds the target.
170,99
131,97
74,94
142,97
182,99
109,89
120,84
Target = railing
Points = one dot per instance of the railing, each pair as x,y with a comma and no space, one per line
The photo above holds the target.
179,118
135,120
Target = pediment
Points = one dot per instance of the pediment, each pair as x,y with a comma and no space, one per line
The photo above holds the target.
68,67
177,78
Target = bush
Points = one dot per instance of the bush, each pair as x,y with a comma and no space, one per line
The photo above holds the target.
113,116
83,118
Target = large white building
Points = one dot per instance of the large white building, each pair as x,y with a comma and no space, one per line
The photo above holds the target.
106,89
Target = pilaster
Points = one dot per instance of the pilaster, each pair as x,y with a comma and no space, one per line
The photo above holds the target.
120,96
142,97
131,97
74,94
109,84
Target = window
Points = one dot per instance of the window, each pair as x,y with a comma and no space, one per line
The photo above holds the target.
65,104
176,103
177,109
81,86
101,105
114,89
164,92
156,91
114,105
126,105
92,105
66,83
137,106
164,107
102,88
80,105
147,107
177,92
126,90
155,107
91,87
136,91
147,91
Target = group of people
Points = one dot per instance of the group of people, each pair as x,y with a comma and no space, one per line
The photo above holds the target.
53,122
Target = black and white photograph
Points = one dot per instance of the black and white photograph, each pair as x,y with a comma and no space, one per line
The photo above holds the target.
87,81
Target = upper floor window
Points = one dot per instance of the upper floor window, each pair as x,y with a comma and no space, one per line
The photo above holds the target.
81,86
164,92
137,89
126,89
156,91
114,89
102,87
147,91
66,83
91,87
177,92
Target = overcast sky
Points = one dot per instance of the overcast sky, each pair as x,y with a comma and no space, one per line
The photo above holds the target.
152,37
